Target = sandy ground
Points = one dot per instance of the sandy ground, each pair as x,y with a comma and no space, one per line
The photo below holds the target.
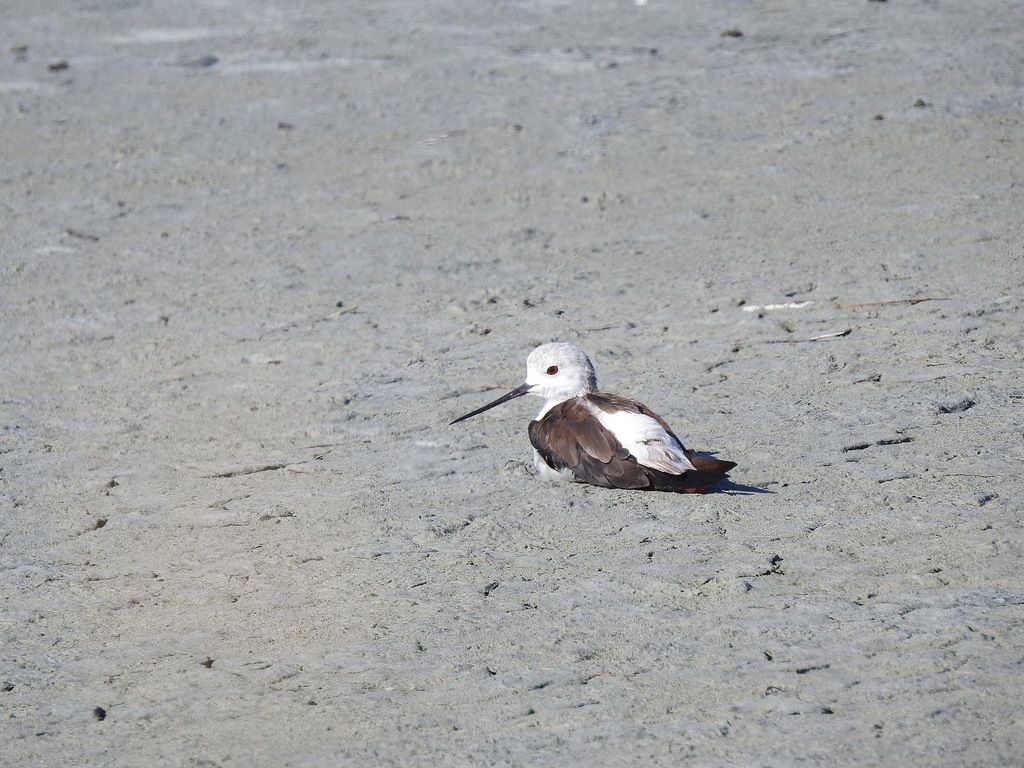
256,255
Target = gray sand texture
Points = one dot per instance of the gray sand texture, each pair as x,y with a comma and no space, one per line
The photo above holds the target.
256,255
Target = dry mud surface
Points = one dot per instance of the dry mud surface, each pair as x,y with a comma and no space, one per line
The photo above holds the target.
256,255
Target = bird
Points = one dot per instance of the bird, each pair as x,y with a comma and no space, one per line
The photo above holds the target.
587,436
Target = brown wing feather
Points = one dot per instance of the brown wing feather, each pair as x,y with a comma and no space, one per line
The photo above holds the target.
570,437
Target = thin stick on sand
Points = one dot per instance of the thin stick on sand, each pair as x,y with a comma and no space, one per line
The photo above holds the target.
822,337
895,301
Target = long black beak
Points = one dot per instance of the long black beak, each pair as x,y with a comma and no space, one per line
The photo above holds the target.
519,391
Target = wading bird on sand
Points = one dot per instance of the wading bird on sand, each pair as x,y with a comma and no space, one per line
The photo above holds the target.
586,436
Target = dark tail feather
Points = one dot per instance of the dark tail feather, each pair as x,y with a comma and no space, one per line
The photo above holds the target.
710,465
707,471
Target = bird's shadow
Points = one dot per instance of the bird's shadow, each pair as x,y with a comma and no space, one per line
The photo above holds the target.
727,486
730,488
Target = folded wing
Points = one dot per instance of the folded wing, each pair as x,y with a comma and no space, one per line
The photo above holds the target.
569,437
589,437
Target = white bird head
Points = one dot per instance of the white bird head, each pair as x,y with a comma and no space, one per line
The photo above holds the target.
555,372
559,371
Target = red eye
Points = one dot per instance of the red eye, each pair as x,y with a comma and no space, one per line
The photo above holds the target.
552,370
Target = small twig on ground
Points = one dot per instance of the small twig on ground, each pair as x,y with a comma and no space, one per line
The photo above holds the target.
822,337
895,301
248,470
82,235
313,322
346,311
224,504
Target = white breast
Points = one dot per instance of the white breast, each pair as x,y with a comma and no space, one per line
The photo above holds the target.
646,440
548,473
